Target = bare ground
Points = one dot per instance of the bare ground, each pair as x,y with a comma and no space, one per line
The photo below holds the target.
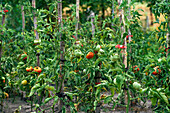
25,107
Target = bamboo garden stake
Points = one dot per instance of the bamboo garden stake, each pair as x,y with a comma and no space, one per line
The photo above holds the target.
62,49
35,29
77,17
124,44
23,19
92,23
112,12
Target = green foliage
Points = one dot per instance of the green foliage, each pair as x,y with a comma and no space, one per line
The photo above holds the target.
86,80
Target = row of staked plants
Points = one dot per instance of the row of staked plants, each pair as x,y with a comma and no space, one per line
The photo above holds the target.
93,70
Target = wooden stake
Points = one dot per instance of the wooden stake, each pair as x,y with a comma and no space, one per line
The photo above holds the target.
77,17
103,9
62,49
129,17
35,28
35,20
98,75
23,19
151,15
92,23
125,44
112,12
147,22
167,36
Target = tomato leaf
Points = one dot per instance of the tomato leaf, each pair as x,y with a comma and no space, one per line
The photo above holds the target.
108,99
164,97
70,95
112,89
55,100
154,100
47,100
32,92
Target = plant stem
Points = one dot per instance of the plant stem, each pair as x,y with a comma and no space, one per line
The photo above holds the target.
127,108
3,22
103,9
2,105
31,102
53,109
167,36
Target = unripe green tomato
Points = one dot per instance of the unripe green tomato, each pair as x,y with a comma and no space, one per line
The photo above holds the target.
163,59
136,85
114,58
97,47
119,78
159,60
84,70
101,51
78,53
3,78
50,45
114,81
37,41
144,90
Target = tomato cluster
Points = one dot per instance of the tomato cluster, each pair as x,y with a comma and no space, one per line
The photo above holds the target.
36,69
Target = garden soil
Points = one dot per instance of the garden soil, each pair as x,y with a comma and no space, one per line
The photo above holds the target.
20,106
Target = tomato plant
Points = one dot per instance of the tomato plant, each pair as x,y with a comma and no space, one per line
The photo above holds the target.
83,63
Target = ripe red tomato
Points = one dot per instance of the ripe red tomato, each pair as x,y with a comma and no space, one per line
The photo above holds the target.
95,52
129,36
97,83
49,94
157,70
29,69
135,68
87,83
5,11
130,82
146,73
98,47
3,78
154,73
90,55
24,56
76,71
120,46
37,69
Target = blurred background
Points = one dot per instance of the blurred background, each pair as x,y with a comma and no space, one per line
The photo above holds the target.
102,8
